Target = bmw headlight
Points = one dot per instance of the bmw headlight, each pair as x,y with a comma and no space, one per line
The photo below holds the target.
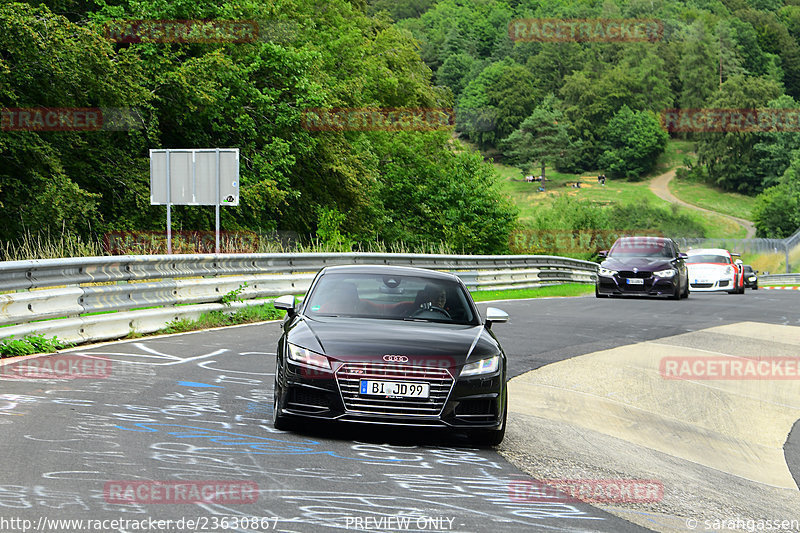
668,273
751,278
307,357
606,272
484,366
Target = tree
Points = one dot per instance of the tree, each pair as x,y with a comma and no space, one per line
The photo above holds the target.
776,213
505,91
730,156
633,142
426,193
774,150
594,94
542,138
697,72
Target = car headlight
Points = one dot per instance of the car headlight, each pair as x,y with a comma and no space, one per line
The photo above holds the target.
484,366
606,272
668,273
751,278
728,271
305,356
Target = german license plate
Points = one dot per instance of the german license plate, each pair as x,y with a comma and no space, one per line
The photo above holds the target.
400,389
635,281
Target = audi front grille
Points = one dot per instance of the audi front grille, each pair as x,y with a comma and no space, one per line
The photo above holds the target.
349,378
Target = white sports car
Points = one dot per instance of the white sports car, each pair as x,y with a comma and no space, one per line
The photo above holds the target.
714,269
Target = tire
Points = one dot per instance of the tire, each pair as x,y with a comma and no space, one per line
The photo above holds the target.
279,421
491,437
755,287
678,292
686,289
597,293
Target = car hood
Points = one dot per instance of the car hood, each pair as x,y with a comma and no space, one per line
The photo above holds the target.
359,339
648,264
712,268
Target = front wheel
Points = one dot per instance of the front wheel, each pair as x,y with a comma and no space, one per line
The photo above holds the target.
678,292
597,293
686,289
279,421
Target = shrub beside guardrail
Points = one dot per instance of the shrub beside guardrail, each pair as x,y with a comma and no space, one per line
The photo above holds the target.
143,293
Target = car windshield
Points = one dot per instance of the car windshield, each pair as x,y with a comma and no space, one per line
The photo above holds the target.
709,258
640,248
390,296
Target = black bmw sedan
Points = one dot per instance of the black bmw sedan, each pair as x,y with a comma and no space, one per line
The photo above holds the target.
391,345
643,266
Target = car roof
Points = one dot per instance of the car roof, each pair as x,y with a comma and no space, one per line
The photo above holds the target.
646,239
389,269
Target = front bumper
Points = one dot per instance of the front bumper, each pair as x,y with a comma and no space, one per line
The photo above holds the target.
468,403
650,285
722,284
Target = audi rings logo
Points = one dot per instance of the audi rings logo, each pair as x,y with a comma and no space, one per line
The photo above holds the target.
395,358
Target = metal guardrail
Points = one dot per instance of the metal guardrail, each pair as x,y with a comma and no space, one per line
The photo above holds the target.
171,287
778,278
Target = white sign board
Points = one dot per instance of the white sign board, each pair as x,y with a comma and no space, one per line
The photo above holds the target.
194,176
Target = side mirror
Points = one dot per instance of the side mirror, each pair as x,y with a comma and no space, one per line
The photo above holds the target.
286,303
682,255
602,253
494,314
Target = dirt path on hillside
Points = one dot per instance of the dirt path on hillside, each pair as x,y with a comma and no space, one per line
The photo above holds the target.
660,187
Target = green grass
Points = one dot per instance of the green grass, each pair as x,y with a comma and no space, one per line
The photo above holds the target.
216,319
708,197
567,289
29,345
717,226
774,263
674,155
528,199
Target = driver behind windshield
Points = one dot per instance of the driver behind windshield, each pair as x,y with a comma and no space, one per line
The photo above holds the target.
432,296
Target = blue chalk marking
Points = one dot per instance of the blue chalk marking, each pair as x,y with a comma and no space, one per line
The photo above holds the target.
193,384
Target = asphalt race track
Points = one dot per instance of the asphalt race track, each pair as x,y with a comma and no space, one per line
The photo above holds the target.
197,408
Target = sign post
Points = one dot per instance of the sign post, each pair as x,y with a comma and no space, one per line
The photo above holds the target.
204,176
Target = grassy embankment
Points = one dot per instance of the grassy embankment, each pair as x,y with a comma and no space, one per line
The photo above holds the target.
528,199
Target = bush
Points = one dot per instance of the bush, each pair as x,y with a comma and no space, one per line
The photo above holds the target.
634,140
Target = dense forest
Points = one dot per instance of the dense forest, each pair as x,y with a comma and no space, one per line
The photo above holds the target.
577,106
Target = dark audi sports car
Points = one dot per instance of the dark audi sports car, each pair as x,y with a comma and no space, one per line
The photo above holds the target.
391,345
643,266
